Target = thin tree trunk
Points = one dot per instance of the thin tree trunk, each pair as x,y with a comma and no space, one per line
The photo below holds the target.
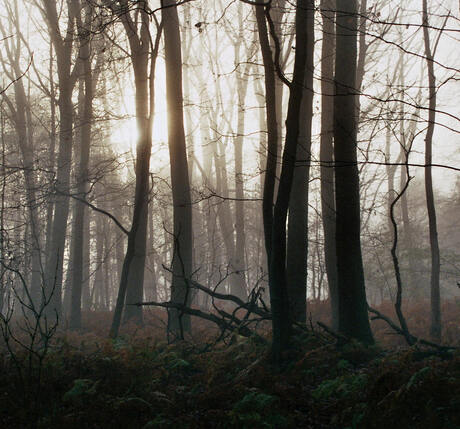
67,78
98,276
51,155
82,175
238,286
134,263
435,328
86,299
277,16
21,114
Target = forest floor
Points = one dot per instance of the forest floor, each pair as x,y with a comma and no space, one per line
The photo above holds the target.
141,381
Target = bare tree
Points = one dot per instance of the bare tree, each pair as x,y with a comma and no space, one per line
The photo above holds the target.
282,322
182,233
21,114
327,153
297,246
143,52
435,329
353,318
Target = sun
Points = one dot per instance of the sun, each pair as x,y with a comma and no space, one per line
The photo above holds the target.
125,133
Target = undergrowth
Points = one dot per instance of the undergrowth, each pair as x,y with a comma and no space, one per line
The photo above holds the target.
140,381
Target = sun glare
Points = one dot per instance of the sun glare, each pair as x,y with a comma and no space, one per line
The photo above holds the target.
125,133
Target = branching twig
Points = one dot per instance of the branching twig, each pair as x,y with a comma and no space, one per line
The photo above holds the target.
415,340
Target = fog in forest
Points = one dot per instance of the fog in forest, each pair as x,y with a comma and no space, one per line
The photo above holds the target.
205,172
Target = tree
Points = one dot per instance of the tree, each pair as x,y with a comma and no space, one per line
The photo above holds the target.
89,81
21,115
435,329
143,52
67,77
272,128
297,245
279,300
182,232
353,317
239,287
326,155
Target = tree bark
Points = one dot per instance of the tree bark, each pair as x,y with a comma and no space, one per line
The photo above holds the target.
67,79
297,245
238,286
272,130
279,300
435,328
21,115
327,154
353,317
132,275
179,323
82,175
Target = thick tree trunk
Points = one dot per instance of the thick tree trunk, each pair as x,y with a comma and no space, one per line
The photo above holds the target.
297,245
272,130
282,321
353,317
327,154
182,257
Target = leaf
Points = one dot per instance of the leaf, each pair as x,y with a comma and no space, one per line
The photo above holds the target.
179,363
254,401
81,387
419,375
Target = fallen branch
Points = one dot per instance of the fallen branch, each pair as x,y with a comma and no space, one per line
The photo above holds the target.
223,324
341,338
250,306
414,340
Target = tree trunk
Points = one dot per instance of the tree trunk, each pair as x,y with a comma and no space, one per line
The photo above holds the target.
238,286
277,13
21,114
282,321
82,178
327,154
51,154
86,300
435,328
272,130
353,317
182,255
54,263
132,275
297,245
